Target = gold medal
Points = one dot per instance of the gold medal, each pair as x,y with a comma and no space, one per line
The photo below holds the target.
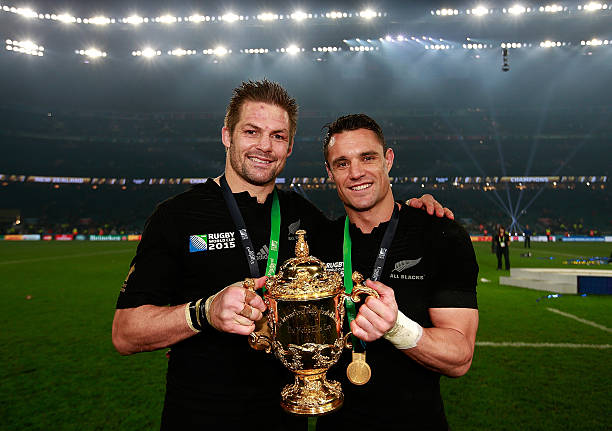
358,371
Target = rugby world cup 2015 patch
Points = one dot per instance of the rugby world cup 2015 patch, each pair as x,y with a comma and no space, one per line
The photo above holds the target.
198,243
211,241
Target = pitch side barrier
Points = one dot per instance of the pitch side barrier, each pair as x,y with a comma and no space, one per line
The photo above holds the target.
544,238
69,237
135,237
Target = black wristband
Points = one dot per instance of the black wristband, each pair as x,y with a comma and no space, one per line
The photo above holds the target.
196,311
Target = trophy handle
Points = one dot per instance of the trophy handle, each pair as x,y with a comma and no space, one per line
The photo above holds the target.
360,288
260,338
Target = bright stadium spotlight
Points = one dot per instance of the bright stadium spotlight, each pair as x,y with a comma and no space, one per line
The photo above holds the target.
299,15
92,53
480,11
99,20
292,49
367,14
551,8
134,20
220,51
593,6
66,18
267,16
517,9
25,47
147,52
166,19
230,17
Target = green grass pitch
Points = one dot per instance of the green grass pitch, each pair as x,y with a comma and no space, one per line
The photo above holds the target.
61,372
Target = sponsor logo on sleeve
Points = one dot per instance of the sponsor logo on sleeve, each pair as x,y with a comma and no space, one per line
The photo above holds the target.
211,241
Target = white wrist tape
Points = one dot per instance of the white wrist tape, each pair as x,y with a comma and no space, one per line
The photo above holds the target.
405,334
207,308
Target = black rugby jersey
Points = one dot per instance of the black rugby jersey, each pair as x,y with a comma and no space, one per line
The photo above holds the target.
430,264
189,250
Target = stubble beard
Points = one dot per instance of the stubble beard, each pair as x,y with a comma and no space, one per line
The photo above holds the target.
243,171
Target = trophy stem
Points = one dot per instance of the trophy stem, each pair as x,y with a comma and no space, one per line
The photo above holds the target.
312,394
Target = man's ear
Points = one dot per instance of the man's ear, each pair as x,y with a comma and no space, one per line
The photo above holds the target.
226,137
329,172
290,148
389,157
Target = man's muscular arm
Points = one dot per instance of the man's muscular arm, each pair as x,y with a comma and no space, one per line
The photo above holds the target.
446,348
150,327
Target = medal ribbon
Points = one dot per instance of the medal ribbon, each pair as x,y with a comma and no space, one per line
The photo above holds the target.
247,244
378,266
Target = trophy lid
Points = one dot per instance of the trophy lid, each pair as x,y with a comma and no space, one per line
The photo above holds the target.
303,277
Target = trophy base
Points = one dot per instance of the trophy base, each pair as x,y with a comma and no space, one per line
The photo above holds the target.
312,394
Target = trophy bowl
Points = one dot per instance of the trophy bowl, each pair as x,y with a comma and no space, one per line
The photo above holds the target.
304,328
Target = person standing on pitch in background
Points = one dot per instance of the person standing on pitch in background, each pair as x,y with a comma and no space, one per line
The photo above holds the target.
527,234
502,245
184,289
424,323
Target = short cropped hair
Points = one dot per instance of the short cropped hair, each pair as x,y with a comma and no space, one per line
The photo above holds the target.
261,91
352,122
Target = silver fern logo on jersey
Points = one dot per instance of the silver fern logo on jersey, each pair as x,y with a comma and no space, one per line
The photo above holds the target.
293,228
405,264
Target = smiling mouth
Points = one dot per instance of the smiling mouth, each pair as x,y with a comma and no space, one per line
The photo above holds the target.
258,160
360,187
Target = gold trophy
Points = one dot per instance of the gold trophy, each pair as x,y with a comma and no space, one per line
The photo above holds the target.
304,328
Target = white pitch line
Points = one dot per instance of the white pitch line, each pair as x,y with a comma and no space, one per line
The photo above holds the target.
586,322
67,256
543,345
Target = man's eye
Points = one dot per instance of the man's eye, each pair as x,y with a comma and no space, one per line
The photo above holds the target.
278,137
250,132
341,165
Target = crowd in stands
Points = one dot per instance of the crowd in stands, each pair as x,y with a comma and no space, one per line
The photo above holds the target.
461,142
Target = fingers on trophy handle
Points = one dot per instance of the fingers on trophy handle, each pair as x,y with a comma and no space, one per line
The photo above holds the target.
259,338
249,284
360,288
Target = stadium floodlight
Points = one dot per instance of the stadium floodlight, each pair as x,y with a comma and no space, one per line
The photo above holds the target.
93,53
220,51
99,20
25,47
66,18
592,42
292,49
480,11
593,6
166,19
134,20
368,14
230,17
517,9
27,13
552,8
299,15
147,52
267,16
